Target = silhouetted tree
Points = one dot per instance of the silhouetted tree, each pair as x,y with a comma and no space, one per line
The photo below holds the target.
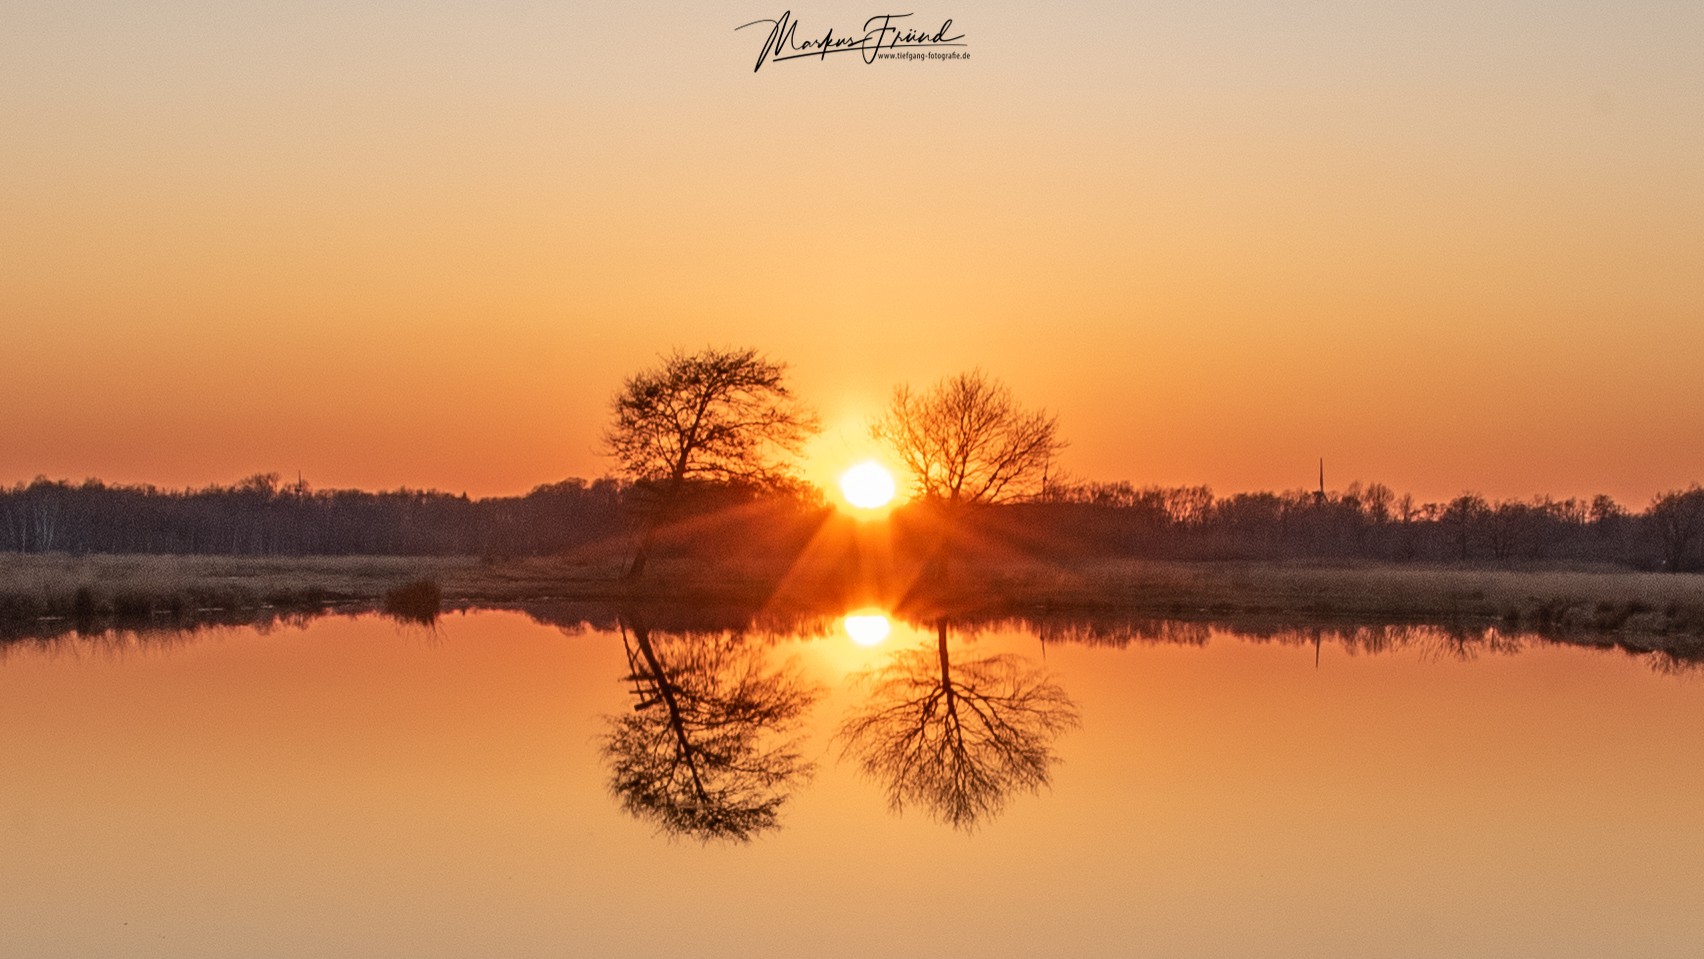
708,750
1678,516
715,415
1377,502
957,739
967,440
966,443
1463,518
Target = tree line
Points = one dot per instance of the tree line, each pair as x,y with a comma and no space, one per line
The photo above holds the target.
260,516
705,448
1362,522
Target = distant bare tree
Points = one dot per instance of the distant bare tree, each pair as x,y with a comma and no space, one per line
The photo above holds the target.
709,750
1503,523
1678,516
1377,502
957,739
966,440
1603,509
1463,518
714,415
1189,504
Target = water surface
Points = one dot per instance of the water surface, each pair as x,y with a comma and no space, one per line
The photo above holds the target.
503,786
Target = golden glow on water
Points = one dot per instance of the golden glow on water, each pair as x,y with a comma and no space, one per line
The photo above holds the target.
349,788
868,485
866,627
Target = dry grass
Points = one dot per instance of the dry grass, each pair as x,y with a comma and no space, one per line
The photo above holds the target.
1543,599
59,585
1557,601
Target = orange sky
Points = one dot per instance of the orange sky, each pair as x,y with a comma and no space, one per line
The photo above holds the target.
1443,245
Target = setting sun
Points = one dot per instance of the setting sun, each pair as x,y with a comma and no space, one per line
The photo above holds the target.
868,485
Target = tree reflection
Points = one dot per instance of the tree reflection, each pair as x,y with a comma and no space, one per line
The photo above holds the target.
709,749
957,738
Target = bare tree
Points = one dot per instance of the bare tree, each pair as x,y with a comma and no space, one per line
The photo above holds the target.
1463,518
715,415
709,750
1678,516
966,440
957,739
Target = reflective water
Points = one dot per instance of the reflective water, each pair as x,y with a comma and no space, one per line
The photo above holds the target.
654,786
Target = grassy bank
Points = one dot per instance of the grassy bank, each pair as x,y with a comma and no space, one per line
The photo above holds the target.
1549,600
54,585
1555,601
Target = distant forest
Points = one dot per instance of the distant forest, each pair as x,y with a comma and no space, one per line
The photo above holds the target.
262,517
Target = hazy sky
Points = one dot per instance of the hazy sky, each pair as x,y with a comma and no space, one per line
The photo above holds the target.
1445,245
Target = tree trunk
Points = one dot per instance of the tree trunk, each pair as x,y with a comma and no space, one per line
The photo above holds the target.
946,667
648,542
636,568
677,722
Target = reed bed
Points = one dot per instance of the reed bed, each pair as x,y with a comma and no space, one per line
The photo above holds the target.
1554,600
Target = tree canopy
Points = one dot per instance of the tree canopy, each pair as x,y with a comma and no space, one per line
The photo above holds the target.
717,415
966,439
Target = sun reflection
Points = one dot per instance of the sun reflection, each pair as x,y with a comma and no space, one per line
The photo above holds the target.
867,627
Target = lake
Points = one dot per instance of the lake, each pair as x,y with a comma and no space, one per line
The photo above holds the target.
583,784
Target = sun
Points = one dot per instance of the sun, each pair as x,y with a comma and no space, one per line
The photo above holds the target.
868,485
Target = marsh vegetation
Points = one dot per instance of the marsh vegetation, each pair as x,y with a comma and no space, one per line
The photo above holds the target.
49,594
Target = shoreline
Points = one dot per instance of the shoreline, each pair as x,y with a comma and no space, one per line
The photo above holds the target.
1660,610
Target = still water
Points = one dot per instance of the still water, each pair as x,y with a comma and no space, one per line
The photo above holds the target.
507,785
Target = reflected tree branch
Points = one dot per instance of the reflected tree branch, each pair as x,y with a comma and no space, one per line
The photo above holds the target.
957,739
710,749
